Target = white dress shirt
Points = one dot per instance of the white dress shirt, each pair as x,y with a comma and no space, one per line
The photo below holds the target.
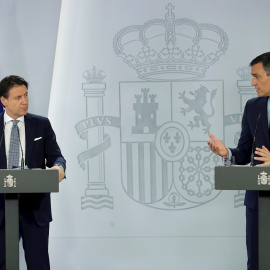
21,126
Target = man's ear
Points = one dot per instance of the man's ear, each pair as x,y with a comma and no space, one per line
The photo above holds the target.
3,101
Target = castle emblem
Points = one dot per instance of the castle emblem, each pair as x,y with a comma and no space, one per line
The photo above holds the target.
9,181
145,113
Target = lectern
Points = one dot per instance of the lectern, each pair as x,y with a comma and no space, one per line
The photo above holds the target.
13,183
251,178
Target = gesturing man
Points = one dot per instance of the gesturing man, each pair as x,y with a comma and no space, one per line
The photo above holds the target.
256,113
38,149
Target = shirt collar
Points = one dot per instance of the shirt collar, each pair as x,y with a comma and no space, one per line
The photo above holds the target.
8,118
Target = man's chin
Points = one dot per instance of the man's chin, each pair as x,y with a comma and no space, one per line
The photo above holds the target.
24,112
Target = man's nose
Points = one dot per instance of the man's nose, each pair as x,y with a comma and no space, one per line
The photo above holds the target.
25,100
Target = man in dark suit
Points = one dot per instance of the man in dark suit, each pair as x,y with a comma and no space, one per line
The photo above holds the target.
39,149
257,112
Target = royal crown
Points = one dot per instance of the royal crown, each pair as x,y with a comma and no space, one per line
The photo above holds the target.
94,75
170,49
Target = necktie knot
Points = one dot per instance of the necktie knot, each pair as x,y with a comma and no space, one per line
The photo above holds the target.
15,123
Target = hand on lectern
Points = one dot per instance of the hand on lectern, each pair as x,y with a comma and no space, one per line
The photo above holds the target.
60,170
264,156
218,147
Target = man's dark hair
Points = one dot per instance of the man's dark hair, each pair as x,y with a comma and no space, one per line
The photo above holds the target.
264,59
8,82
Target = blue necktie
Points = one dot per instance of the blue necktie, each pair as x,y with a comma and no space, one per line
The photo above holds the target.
14,147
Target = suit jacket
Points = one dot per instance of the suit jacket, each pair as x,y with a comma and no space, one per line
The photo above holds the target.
38,154
242,153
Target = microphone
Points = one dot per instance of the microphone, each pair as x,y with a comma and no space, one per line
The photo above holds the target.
254,138
22,159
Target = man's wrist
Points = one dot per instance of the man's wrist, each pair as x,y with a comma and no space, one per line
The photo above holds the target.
60,166
229,155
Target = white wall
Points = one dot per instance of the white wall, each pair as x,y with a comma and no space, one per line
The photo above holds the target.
28,32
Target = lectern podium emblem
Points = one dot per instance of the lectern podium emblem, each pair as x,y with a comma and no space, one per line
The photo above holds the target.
9,181
263,179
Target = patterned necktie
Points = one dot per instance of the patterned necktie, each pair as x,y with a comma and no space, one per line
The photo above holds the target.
14,147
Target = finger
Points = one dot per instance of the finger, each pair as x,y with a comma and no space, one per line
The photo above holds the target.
212,148
211,145
261,152
258,153
212,137
265,155
259,158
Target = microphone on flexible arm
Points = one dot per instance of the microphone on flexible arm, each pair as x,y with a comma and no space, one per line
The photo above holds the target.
254,138
22,159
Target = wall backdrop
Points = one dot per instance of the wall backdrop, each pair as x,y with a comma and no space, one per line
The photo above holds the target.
28,39
136,88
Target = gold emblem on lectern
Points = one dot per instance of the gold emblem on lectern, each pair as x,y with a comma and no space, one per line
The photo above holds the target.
9,181
263,179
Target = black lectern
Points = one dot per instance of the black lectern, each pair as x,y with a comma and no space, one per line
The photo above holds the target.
251,178
12,183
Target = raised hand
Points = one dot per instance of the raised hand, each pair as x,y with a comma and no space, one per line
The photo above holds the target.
264,156
218,147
